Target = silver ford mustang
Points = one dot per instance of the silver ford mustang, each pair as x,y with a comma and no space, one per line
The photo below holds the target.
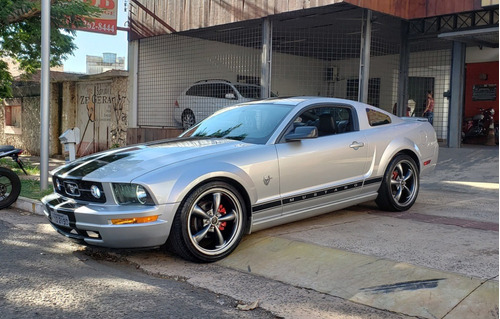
245,168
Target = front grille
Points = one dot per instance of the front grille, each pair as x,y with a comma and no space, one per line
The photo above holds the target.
78,189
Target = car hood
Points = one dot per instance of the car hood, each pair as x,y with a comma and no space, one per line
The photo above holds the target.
125,164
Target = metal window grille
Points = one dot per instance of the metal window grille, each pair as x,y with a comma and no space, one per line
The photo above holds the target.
319,54
314,52
430,70
170,65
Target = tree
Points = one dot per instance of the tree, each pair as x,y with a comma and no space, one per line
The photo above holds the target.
20,33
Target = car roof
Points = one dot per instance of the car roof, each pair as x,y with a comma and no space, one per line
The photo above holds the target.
223,81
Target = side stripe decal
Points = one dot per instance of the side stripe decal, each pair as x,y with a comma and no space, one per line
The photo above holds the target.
294,199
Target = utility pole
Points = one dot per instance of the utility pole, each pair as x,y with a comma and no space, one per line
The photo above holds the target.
44,96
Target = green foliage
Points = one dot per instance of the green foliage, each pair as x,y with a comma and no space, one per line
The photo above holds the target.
20,32
30,188
28,166
5,81
30,184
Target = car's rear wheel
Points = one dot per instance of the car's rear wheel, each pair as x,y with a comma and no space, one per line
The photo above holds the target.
209,224
400,185
188,119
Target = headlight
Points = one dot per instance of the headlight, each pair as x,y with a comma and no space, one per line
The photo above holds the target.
141,194
126,194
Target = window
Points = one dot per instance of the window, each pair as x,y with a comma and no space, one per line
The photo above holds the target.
376,118
12,116
220,90
373,91
198,90
328,120
212,90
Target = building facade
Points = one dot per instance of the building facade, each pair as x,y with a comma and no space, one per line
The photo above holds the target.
96,104
104,63
385,53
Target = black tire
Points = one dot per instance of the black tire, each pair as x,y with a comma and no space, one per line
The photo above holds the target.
188,119
198,233
10,187
399,189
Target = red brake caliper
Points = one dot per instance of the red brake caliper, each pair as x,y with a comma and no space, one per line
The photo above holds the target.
222,211
394,175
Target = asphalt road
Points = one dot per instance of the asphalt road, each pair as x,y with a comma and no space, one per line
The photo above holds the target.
439,260
44,275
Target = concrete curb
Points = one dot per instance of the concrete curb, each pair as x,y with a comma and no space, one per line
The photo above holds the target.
30,205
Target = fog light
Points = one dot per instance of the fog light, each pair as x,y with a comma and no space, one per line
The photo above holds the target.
95,191
134,220
58,184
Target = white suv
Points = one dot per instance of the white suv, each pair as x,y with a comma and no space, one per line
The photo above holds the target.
203,98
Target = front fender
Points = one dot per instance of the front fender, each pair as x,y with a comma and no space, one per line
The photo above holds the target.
171,184
190,179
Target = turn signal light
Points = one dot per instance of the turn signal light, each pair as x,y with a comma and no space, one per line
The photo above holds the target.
427,162
134,220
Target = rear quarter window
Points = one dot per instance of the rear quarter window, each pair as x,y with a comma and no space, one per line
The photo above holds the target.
376,118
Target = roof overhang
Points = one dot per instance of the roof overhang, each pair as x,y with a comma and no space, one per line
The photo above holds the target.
485,37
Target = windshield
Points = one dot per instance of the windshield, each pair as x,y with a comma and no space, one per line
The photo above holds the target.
251,123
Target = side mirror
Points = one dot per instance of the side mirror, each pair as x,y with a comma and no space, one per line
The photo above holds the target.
302,133
230,96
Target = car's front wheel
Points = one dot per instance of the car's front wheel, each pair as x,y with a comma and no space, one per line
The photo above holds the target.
399,188
209,223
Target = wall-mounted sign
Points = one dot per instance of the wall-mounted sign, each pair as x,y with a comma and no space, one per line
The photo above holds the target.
106,22
484,92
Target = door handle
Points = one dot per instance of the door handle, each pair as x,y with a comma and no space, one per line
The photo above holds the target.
356,145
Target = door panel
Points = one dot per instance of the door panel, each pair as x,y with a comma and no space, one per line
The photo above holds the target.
318,171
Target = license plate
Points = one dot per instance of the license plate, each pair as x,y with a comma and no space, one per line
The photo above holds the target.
59,219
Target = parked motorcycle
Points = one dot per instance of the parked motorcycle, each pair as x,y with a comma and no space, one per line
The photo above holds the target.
479,125
10,184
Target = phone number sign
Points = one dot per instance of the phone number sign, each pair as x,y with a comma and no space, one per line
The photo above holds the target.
106,22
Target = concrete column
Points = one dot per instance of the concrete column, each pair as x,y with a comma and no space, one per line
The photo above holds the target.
133,69
364,59
455,113
266,61
404,65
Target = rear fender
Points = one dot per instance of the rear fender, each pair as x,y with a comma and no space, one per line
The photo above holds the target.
400,145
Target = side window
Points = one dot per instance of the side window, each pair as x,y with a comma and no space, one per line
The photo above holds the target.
223,90
197,90
344,119
214,90
328,120
376,118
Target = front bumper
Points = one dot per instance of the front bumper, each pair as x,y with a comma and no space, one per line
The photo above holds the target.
91,223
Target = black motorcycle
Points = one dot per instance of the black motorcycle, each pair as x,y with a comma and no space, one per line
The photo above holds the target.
479,125
10,184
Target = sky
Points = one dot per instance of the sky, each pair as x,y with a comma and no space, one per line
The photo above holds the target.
90,43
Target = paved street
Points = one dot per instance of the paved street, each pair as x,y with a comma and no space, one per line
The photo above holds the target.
43,275
440,260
